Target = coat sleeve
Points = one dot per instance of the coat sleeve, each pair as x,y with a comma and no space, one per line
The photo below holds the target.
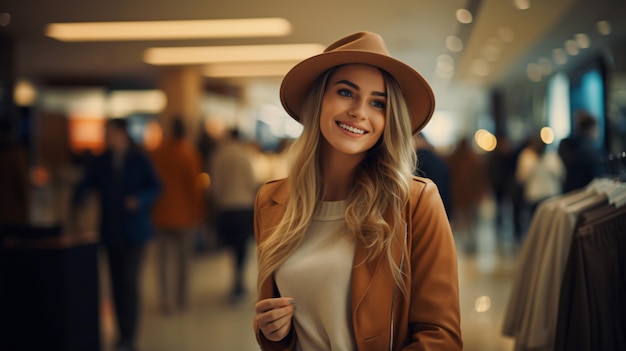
267,289
434,313
151,184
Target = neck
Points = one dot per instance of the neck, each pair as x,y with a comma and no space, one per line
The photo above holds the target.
338,171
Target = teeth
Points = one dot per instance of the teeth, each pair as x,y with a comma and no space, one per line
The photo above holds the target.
351,129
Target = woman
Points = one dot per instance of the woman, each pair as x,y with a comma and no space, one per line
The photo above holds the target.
354,252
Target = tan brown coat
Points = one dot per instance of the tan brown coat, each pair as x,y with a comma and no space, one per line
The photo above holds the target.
429,319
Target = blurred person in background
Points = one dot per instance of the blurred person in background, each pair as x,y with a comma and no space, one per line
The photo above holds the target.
501,163
127,187
433,166
582,159
206,145
234,187
519,204
177,214
469,187
540,172
14,180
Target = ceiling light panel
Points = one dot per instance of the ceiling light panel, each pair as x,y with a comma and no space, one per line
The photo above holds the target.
169,30
235,53
248,69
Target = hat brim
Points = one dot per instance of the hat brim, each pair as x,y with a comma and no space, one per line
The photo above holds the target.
416,91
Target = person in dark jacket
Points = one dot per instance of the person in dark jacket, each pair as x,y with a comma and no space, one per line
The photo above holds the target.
127,187
582,159
431,165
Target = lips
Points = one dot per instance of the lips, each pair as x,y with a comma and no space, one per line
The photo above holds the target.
351,129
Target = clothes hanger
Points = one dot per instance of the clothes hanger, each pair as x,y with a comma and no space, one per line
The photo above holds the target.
619,198
599,185
615,191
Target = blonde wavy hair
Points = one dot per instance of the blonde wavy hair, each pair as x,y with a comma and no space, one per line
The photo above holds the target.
381,185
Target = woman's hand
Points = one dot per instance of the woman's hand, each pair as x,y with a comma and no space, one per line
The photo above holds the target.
273,317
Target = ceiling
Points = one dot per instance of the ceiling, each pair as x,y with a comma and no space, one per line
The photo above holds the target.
415,32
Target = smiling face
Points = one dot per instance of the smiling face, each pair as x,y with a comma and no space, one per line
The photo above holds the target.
352,118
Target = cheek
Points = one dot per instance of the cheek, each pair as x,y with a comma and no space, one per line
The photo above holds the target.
379,124
324,122
329,107
327,113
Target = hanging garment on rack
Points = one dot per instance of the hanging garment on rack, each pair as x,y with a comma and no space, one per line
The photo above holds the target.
528,266
531,314
592,305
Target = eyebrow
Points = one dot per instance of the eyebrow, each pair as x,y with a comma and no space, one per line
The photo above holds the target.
354,86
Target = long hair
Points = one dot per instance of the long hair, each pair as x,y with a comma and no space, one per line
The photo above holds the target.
381,185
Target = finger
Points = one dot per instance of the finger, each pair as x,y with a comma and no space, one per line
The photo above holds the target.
273,303
272,316
280,333
277,329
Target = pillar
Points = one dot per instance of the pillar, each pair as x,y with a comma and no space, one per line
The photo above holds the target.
183,89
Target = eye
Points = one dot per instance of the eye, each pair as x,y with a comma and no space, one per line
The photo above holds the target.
344,92
379,104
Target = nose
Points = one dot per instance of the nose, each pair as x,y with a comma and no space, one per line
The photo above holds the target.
358,108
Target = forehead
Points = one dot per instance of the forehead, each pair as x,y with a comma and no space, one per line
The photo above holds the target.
359,74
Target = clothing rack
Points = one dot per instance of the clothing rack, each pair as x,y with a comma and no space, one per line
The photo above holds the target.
567,290
616,165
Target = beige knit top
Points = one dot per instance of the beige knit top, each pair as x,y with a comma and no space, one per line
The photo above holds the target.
317,276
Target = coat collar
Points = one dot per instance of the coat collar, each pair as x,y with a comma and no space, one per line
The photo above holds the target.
281,192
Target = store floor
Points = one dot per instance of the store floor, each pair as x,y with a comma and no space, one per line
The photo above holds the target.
211,323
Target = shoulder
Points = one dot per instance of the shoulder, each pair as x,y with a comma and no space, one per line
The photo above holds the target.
423,192
272,192
426,217
419,184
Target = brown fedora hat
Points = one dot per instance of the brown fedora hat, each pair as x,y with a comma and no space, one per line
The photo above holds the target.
366,48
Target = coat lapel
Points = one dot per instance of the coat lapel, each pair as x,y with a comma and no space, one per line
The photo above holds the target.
373,287
268,218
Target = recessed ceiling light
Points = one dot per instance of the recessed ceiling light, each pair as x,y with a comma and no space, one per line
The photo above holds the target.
240,53
534,72
522,4
447,75
464,16
248,69
166,30
445,59
572,47
604,27
24,93
582,40
559,56
454,44
545,65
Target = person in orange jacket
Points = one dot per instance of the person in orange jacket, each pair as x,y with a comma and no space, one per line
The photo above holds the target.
177,214
354,252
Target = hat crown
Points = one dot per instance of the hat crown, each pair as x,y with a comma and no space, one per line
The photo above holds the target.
361,41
